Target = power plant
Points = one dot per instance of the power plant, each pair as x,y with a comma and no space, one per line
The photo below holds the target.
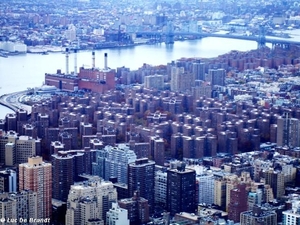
88,79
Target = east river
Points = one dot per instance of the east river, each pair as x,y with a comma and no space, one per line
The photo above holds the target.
17,73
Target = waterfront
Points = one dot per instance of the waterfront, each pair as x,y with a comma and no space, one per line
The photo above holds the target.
20,72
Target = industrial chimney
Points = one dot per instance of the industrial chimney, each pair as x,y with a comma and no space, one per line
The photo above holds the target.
67,60
75,62
105,61
93,60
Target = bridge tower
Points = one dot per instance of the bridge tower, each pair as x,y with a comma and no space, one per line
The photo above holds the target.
261,40
170,33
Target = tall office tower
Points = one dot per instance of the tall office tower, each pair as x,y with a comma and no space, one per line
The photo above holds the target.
160,192
288,131
220,193
8,181
19,205
137,207
63,174
90,201
292,216
141,175
117,215
206,182
181,189
276,180
216,77
260,216
255,198
238,202
36,175
113,162
157,150
198,69
11,122
154,81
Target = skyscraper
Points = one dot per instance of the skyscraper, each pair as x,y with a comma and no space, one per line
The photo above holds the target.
141,178
181,189
36,175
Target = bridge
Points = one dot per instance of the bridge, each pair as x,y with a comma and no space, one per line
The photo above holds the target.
261,39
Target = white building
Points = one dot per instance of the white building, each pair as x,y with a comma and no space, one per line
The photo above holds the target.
117,216
13,46
89,201
292,217
160,186
154,81
113,162
206,184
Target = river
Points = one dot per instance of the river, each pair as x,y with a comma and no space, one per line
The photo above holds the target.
20,72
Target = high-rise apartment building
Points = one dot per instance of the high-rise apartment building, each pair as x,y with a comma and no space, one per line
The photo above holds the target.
112,162
160,187
154,81
63,169
36,175
276,180
180,79
89,201
238,202
216,77
137,207
206,188
220,193
16,149
141,175
181,189
288,131
157,150
21,206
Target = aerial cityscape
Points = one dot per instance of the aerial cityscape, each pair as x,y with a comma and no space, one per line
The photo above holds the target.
101,125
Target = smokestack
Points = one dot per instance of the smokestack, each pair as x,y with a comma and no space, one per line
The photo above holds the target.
75,62
105,61
67,61
93,60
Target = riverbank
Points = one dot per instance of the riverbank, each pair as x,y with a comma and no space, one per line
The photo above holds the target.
12,101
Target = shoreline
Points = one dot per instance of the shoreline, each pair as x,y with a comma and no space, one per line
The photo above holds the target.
12,101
